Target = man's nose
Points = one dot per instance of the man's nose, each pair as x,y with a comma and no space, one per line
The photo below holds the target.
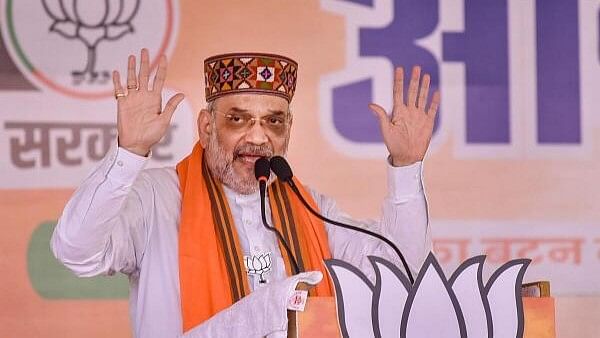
256,134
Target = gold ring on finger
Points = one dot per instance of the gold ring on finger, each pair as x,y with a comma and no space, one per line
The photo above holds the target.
118,95
132,87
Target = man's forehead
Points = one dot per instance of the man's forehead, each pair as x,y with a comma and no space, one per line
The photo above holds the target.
251,103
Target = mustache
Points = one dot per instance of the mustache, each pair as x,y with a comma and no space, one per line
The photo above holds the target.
252,149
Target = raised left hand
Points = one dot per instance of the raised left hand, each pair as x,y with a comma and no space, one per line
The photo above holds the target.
407,132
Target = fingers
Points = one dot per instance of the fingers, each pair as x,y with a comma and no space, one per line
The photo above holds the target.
131,78
413,86
435,103
424,92
398,87
161,74
380,113
171,106
310,277
117,83
144,76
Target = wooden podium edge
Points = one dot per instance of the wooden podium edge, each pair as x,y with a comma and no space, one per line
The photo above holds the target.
319,319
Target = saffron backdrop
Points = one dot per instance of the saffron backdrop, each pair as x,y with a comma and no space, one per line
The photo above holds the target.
511,172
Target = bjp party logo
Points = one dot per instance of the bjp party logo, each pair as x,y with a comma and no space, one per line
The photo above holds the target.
71,46
434,306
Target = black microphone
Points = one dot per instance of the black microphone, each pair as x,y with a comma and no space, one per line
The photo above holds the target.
262,171
282,169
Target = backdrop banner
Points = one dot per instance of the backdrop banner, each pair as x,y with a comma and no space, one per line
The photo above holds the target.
512,170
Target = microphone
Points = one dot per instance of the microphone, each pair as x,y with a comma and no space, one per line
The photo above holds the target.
282,169
262,171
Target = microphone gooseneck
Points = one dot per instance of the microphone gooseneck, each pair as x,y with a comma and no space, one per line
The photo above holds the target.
262,171
282,169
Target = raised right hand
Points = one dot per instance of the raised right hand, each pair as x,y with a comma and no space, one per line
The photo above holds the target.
141,120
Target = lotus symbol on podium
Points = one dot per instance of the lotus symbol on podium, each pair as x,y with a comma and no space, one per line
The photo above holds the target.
461,306
91,21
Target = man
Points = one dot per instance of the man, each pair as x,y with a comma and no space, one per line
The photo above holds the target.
199,261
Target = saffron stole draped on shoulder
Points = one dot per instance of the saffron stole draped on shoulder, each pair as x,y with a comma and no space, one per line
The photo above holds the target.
211,268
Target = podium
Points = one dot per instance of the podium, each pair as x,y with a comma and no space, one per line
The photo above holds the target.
319,318
434,305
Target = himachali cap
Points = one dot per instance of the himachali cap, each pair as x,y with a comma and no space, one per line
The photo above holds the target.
250,73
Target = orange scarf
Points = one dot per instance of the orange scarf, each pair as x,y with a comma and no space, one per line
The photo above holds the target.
212,275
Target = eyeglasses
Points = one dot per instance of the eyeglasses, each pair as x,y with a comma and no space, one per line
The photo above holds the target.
275,124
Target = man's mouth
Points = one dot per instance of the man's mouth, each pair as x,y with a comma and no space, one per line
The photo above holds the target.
249,154
249,158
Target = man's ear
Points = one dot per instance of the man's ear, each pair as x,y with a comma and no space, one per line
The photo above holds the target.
204,127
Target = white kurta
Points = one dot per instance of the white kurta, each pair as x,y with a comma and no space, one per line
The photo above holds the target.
125,219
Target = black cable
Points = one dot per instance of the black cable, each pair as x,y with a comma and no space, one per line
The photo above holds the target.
262,171
287,177
296,269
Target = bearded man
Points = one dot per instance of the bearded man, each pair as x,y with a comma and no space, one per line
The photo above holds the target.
188,237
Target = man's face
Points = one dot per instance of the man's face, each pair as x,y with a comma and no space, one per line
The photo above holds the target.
244,127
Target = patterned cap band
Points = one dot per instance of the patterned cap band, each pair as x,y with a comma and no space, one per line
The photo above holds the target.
250,73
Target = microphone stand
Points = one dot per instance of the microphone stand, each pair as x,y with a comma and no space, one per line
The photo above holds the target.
262,186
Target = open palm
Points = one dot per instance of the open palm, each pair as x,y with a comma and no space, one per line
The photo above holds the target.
141,120
408,130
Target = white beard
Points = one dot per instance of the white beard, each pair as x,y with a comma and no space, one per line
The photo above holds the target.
220,164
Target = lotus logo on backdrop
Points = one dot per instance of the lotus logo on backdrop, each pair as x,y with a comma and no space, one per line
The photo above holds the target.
91,22
461,306
71,46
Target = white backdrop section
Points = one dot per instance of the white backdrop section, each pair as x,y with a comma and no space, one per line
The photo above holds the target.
52,141
567,255
55,44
